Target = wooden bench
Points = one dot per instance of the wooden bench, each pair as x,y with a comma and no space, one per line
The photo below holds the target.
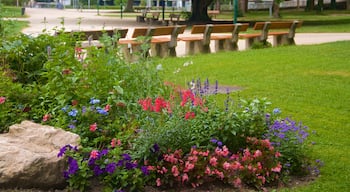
213,13
153,18
201,35
141,18
87,38
173,19
161,41
279,37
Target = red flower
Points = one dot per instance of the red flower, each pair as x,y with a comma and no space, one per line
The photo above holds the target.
2,100
66,71
146,104
94,154
46,117
190,115
93,127
74,102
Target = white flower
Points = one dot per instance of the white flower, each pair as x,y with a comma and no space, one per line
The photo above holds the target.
193,85
159,67
177,70
187,63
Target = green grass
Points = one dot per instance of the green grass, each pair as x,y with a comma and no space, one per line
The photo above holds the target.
11,12
309,83
326,21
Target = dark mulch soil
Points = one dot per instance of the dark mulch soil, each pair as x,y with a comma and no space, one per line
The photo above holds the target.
209,187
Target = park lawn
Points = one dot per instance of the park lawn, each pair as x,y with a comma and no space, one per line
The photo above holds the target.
313,22
309,83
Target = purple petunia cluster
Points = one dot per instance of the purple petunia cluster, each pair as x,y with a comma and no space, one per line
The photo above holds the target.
287,130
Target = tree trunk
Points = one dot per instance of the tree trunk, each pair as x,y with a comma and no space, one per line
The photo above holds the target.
243,6
319,5
129,6
276,9
200,11
310,5
333,4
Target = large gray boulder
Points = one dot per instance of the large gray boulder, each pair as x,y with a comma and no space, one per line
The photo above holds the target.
28,156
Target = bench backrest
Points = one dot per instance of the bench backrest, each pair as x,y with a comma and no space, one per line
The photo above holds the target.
155,15
142,31
266,26
174,17
228,28
197,29
158,31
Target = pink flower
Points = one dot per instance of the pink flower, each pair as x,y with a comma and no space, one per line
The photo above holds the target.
277,169
262,178
226,165
237,183
2,100
213,161
225,151
94,154
193,159
188,166
46,117
159,183
175,171
184,178
207,171
107,107
93,127
257,153
277,154
115,142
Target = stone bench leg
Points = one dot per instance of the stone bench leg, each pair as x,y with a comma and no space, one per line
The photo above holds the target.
160,50
282,40
225,45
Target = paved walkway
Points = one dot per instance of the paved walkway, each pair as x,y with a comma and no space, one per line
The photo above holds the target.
49,19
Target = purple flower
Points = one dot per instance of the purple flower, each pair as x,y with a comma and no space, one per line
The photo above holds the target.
155,148
129,165
73,167
64,149
73,113
94,101
64,109
276,111
144,170
83,110
120,163
98,171
103,152
213,140
71,126
101,111
110,168
126,157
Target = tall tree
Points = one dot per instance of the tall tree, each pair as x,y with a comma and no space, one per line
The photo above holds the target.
129,6
200,10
